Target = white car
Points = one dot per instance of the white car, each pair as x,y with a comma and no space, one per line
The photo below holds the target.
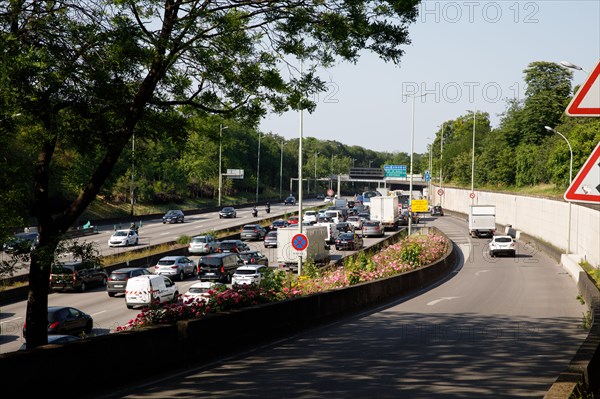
123,238
249,274
201,291
356,221
502,245
327,199
310,217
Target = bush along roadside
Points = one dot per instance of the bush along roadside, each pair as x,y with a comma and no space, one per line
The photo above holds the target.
410,253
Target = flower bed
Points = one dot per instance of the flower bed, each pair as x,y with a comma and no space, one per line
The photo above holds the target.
410,253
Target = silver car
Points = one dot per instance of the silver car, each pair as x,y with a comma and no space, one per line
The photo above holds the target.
176,266
203,245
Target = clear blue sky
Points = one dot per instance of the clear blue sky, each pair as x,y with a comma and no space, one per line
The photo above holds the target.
467,54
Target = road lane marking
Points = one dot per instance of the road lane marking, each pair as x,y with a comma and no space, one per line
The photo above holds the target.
481,271
446,298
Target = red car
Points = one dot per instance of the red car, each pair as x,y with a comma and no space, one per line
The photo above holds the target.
292,220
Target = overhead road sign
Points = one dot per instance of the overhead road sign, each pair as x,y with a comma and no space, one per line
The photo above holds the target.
586,101
235,173
394,171
586,185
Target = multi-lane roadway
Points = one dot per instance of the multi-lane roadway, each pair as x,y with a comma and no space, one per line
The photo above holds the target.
109,313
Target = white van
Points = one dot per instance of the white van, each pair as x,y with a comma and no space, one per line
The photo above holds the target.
143,290
332,232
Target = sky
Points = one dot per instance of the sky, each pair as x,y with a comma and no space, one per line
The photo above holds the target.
465,55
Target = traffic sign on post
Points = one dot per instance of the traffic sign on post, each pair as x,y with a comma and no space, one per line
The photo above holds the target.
299,242
586,185
440,191
586,102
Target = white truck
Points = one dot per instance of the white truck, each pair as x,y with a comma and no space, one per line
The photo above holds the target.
316,251
385,209
482,220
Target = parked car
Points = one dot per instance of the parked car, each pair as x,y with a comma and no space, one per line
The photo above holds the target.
348,241
253,232
123,238
22,243
233,246
437,211
291,200
372,228
77,276
271,239
228,212
201,291
219,267
173,216
205,244
502,245
249,274
67,320
117,280
176,266
277,224
144,290
254,257
54,339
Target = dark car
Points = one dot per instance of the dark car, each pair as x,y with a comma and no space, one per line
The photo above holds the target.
320,196
254,257
232,246
291,200
271,239
348,241
437,211
277,224
67,320
218,267
345,227
77,276
227,212
173,216
253,232
21,243
406,214
117,280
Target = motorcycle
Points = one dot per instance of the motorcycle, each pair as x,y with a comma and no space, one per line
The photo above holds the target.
254,212
268,209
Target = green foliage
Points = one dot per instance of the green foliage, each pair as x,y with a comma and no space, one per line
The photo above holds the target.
274,280
410,253
310,269
183,240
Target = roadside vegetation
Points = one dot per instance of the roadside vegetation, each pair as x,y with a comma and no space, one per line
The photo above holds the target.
408,254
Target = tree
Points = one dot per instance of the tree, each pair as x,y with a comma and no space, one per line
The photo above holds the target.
88,75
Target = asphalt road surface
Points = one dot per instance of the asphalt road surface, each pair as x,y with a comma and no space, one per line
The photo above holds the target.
496,328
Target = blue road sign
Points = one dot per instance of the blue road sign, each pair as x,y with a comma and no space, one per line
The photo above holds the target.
299,242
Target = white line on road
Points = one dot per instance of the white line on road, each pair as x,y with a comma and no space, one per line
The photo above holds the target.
481,271
446,298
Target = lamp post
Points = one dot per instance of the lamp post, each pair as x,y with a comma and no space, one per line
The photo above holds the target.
412,150
221,128
281,170
316,154
132,170
568,64
473,162
441,161
300,176
258,167
570,181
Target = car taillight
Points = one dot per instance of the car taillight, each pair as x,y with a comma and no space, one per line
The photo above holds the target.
53,325
174,267
222,269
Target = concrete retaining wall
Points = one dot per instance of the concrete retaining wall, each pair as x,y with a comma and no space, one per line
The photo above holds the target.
104,363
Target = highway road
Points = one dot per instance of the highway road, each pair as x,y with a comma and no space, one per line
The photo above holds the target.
495,328
109,313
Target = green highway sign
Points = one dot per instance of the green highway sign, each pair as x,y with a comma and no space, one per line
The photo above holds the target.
394,171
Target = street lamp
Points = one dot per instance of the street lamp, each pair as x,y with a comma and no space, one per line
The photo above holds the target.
473,162
412,150
258,167
221,128
281,170
568,64
570,181
441,159
316,153
132,170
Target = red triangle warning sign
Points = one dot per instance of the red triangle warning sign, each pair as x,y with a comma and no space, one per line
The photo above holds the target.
586,101
586,185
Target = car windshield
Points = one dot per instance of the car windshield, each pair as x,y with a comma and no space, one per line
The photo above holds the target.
227,209
250,227
371,224
199,239
164,262
346,236
198,290
120,234
209,261
503,239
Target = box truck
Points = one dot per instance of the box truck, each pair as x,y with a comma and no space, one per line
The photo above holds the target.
385,209
316,251
482,220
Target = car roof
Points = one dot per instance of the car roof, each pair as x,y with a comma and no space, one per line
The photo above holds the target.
127,269
172,257
206,284
251,267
